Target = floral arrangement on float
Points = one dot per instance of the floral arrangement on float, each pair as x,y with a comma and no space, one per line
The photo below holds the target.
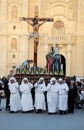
18,71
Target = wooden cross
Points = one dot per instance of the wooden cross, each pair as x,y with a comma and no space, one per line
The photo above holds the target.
36,23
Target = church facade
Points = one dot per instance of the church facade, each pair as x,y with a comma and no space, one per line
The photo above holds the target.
66,31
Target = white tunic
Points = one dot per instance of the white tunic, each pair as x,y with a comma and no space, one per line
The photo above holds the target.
52,97
26,97
15,104
39,96
63,96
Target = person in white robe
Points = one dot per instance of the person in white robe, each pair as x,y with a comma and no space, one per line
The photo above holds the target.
52,96
63,96
40,88
26,97
15,103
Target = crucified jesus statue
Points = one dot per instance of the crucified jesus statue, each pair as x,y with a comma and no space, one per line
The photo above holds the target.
35,24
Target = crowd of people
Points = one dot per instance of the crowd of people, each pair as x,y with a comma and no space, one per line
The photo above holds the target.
59,96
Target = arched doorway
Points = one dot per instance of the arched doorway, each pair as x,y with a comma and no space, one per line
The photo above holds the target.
63,64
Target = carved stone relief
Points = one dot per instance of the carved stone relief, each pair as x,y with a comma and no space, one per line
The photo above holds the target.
62,7
14,13
14,44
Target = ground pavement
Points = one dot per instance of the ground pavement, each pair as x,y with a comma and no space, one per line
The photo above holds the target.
43,121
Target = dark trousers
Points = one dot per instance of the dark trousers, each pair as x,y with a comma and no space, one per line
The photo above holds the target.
8,102
71,104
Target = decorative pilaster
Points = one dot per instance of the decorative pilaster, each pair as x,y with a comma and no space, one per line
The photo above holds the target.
68,60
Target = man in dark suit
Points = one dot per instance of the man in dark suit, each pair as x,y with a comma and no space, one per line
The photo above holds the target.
72,95
7,92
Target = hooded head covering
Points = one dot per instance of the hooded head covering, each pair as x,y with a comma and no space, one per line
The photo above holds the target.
24,80
60,79
52,79
12,78
41,79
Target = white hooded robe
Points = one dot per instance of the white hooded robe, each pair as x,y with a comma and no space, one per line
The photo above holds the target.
26,97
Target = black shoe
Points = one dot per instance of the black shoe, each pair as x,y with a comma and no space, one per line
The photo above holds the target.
61,112
11,111
39,111
72,112
65,112
24,111
68,111
49,113
52,113
8,109
79,107
30,111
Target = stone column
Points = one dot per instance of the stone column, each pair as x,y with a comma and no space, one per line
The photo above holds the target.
24,13
24,48
79,56
68,60
3,55
24,31
3,38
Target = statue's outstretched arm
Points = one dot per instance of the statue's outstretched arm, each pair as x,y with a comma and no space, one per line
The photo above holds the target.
29,22
25,19
42,23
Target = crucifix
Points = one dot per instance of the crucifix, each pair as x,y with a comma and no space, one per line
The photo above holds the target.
35,22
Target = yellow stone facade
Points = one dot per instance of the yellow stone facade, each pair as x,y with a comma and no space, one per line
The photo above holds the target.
67,31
